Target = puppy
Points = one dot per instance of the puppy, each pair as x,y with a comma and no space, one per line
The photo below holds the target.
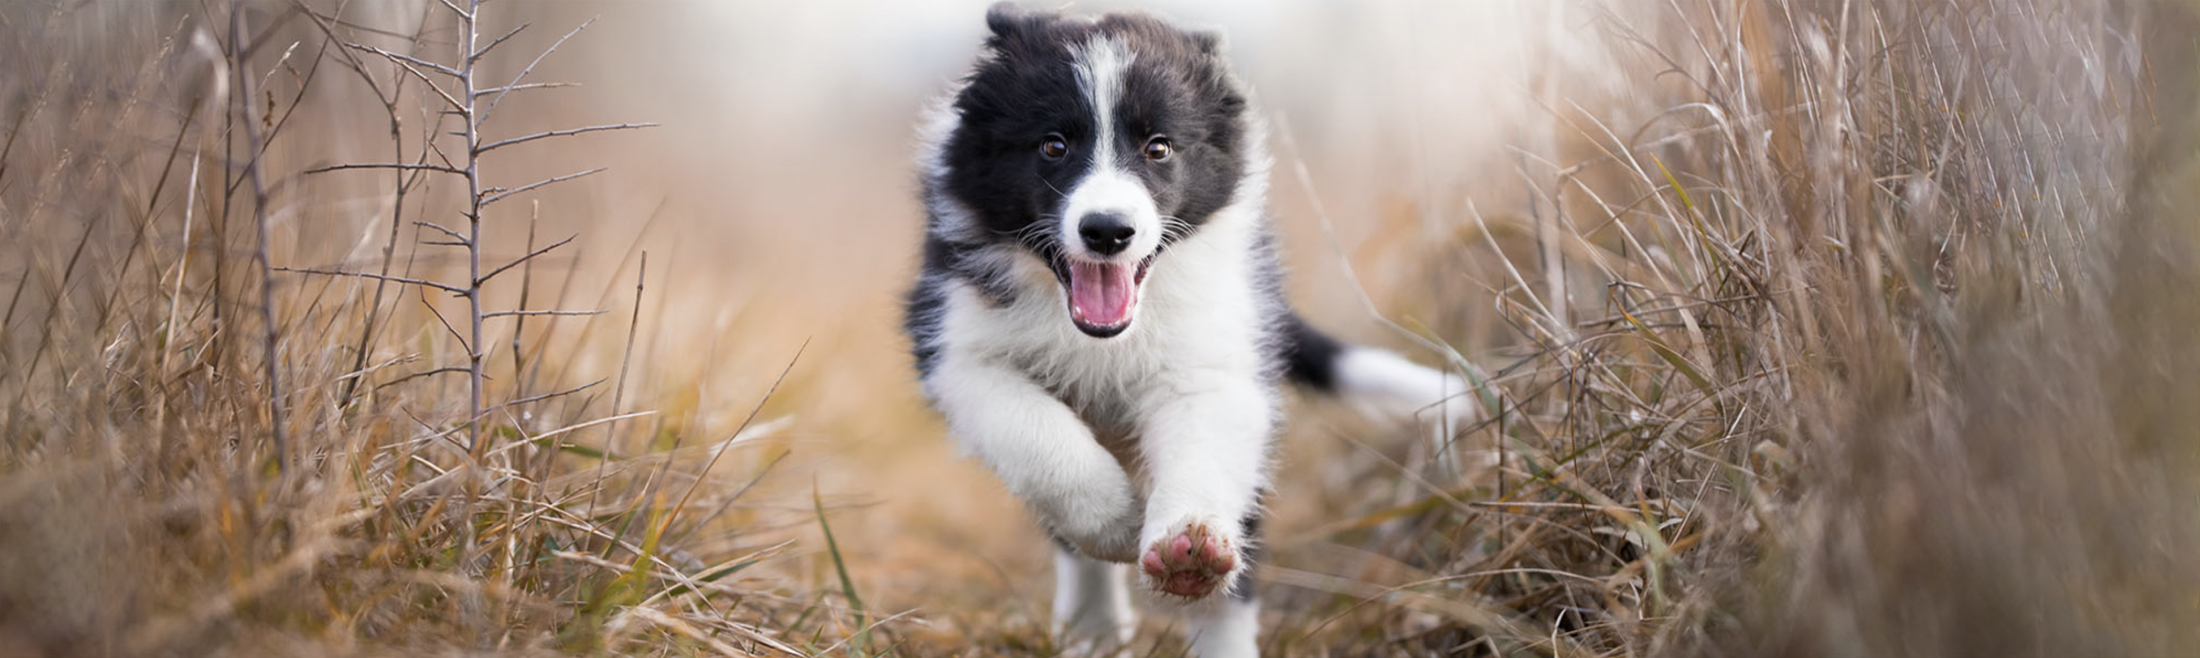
1100,316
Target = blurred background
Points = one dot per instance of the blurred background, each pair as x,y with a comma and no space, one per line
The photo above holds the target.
1813,328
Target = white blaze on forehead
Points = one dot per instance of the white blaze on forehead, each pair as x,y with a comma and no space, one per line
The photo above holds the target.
1101,65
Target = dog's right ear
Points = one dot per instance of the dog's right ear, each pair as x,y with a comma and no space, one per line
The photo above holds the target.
1006,19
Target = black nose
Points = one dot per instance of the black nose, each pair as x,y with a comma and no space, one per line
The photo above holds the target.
1106,233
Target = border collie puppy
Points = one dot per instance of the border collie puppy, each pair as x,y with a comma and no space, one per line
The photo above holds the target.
1100,317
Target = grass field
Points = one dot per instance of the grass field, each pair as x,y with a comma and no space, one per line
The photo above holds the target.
1809,327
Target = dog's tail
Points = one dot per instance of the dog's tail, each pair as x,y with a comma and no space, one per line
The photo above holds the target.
1380,383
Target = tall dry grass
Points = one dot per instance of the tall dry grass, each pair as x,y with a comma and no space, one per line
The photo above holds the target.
233,430
1821,327
1863,328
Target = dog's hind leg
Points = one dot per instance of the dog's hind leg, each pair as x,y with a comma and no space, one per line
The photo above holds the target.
1092,605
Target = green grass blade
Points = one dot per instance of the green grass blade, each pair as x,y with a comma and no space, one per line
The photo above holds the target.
859,644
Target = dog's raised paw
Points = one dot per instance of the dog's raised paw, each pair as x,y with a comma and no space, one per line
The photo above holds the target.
1192,563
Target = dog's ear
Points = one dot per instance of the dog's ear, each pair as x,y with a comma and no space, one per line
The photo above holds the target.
1209,42
1006,19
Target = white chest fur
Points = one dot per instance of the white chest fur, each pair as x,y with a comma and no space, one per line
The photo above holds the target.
1200,317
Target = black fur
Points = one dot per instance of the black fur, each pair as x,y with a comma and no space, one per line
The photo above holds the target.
991,192
1025,89
1309,356
1251,553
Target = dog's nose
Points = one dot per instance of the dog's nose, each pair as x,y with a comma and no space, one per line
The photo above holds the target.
1106,233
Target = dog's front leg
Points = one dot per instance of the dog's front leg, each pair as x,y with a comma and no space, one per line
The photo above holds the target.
1205,445
1042,451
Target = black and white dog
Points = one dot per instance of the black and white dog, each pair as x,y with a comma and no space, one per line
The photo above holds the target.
1100,316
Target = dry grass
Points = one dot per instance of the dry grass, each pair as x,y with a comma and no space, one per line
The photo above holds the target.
1864,330
1814,328
159,351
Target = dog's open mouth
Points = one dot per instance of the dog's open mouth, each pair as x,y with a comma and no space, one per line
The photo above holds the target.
1102,296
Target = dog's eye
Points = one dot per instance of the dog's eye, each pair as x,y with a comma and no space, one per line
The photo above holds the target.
1054,147
1158,149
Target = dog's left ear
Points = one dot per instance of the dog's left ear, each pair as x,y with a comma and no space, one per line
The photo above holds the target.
1209,42
1006,19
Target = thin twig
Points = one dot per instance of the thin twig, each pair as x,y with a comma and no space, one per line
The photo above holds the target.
438,313
273,371
526,284
387,165
499,100
626,362
525,313
380,277
455,235
493,43
500,196
552,394
515,262
417,375
562,133
432,86
408,59
524,87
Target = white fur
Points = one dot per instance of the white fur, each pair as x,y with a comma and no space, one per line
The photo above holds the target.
1227,629
1107,188
1384,385
1092,605
1118,443
1186,376
1035,443
954,221
1018,383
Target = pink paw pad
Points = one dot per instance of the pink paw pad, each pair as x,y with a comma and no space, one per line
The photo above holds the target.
1193,563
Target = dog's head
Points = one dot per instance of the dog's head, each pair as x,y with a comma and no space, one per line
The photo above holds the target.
1091,145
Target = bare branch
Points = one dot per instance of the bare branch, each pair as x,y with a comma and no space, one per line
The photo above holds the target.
401,57
253,141
552,394
438,313
530,186
469,16
423,373
561,133
515,262
523,87
401,63
455,235
478,54
379,277
531,69
437,149
387,165
363,372
499,314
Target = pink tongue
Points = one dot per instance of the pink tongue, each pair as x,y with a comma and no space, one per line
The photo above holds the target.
1101,294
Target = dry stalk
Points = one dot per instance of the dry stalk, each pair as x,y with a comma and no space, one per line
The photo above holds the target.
269,338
